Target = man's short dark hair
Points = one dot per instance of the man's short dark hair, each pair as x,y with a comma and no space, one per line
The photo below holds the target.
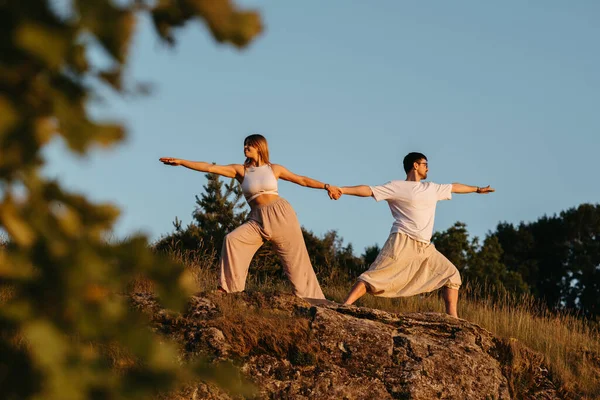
412,158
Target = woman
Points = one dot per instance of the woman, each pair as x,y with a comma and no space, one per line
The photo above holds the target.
271,218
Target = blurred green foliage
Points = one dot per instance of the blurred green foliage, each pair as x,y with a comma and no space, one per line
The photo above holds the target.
66,306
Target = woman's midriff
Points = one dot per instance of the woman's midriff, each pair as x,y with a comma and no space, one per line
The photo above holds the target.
263,199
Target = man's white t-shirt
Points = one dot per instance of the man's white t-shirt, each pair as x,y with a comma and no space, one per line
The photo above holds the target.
413,205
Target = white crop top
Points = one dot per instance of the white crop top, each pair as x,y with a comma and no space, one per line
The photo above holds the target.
257,181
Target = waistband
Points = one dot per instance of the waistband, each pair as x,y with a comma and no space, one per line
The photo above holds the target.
280,200
418,242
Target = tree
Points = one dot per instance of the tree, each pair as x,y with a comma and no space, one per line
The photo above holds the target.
517,251
332,260
217,213
538,252
455,245
486,267
582,283
370,254
65,280
558,256
219,210
479,264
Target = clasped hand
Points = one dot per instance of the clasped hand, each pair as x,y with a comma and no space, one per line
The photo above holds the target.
334,192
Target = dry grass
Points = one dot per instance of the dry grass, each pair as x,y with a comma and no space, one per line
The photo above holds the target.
252,328
277,332
569,344
198,263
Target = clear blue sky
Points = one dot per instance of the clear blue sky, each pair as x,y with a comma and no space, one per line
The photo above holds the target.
501,93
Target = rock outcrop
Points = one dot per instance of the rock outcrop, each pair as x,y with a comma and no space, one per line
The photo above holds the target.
292,350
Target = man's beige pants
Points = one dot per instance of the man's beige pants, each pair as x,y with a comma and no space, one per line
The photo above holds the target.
406,267
278,223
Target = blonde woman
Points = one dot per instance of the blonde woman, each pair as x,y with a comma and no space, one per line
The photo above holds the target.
271,218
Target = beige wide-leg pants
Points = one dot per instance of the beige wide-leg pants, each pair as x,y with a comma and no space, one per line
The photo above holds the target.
406,267
278,223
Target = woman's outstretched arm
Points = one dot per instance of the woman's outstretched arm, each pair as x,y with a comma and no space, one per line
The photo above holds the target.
229,171
285,174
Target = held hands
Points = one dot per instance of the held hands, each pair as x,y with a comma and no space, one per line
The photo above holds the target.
170,161
485,190
334,192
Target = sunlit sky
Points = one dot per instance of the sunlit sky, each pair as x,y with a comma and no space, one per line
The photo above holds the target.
501,93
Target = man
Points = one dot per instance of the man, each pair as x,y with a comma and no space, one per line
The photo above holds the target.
409,263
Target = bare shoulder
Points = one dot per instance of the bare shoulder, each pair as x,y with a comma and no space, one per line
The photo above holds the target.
239,168
278,169
240,172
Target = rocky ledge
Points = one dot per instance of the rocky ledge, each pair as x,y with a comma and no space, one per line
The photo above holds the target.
291,350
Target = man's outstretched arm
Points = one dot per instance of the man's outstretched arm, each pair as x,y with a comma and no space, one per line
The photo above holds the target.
460,188
360,191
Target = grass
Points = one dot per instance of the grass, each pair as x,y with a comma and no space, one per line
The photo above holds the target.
274,332
569,344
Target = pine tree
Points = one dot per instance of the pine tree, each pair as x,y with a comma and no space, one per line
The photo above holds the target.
219,210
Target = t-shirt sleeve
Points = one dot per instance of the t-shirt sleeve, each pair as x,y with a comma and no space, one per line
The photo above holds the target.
444,192
383,192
